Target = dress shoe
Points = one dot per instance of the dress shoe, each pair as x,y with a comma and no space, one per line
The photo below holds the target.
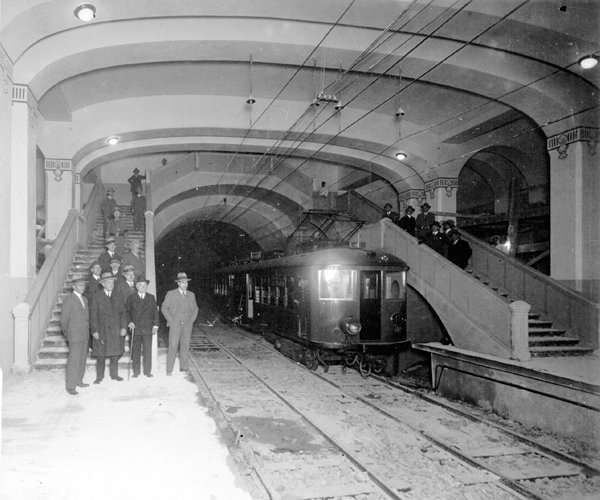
136,375
184,369
117,378
169,374
83,384
149,375
97,381
72,392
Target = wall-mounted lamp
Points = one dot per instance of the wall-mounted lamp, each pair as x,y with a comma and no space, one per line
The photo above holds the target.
588,62
401,155
400,112
85,12
112,140
250,100
339,106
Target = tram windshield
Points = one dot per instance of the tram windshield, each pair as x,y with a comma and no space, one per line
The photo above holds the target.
337,284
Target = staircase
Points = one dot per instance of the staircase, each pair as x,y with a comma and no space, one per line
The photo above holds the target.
53,350
544,340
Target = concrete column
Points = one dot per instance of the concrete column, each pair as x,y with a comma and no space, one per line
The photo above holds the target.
414,197
574,206
22,185
151,273
519,330
59,197
441,195
7,300
21,313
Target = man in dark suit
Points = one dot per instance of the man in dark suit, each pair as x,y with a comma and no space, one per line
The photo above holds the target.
142,315
437,240
108,323
106,208
94,285
388,213
75,324
180,310
110,254
459,251
407,221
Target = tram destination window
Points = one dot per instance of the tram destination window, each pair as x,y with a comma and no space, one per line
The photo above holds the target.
337,284
395,286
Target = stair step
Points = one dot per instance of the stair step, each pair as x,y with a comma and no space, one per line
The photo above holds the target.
61,363
545,331
535,340
541,351
534,315
539,323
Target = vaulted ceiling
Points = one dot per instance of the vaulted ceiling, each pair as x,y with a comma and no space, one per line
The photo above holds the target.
173,77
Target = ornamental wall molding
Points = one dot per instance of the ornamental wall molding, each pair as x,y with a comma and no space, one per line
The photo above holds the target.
560,142
412,194
6,69
58,167
449,184
21,93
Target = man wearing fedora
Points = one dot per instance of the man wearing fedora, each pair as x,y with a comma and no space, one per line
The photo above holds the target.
118,230
75,324
142,317
110,254
107,208
180,310
135,183
424,221
108,323
138,207
407,221
134,258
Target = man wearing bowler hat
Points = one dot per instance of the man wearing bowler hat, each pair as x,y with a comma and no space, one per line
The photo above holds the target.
75,324
142,316
180,310
108,323
407,221
135,183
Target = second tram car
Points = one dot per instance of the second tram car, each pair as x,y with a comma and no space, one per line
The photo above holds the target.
335,306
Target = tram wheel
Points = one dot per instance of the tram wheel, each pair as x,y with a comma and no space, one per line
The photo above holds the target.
377,369
364,368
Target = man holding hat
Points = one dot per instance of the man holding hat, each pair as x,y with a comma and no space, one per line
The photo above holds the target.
135,183
107,208
407,221
180,310
108,323
424,221
142,317
75,324
105,258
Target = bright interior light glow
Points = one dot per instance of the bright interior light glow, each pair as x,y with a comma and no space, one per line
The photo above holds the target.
112,140
588,62
85,12
401,156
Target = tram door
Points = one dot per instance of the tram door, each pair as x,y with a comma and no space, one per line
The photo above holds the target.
249,297
393,306
370,305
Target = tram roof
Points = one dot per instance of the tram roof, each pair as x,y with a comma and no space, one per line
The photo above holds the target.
343,256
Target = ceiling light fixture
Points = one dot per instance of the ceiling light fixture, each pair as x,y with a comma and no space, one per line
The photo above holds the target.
85,12
401,155
112,140
588,62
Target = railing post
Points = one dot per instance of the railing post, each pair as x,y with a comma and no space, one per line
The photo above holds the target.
21,313
519,330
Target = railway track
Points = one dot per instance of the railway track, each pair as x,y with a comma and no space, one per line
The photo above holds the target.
343,436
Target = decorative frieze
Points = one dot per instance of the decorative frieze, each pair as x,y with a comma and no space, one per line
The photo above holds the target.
561,142
58,167
441,182
413,194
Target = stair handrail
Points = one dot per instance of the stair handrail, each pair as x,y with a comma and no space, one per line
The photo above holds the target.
33,314
482,322
90,211
566,308
362,202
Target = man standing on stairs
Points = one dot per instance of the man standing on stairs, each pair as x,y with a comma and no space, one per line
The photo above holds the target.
110,254
108,323
94,286
459,251
135,183
107,208
75,324
118,231
142,315
125,287
180,310
135,259
138,206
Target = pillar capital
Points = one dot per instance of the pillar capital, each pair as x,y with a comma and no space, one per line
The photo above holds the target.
58,167
561,142
447,183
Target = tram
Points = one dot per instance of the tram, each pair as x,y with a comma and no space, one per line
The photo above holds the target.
342,306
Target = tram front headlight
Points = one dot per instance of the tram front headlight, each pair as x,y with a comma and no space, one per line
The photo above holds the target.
350,326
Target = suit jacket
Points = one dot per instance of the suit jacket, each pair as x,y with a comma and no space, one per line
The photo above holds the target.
75,319
139,205
107,207
93,288
393,216
138,262
459,253
173,309
438,241
124,290
104,260
408,224
143,313
108,317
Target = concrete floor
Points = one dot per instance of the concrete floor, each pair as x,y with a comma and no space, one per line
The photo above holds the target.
144,438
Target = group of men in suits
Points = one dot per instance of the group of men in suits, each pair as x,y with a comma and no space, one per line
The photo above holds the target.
443,238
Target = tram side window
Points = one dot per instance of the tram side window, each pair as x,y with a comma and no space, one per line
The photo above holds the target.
337,284
370,285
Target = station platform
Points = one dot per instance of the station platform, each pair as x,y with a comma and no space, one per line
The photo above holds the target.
557,394
145,438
